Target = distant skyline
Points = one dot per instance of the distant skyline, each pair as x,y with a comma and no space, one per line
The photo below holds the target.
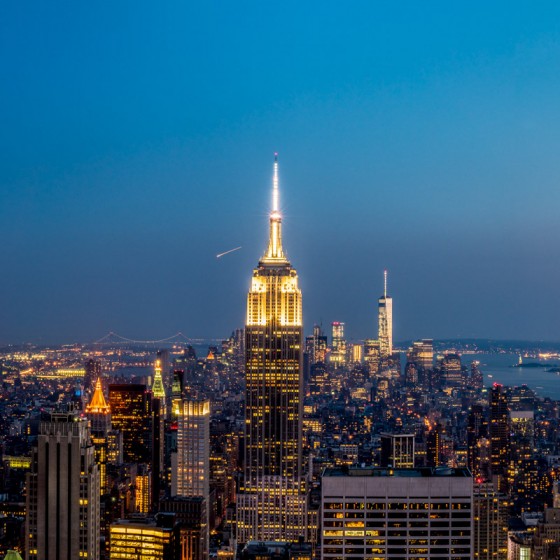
136,144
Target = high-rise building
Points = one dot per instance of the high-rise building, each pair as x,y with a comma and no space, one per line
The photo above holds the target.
546,542
158,389
397,451
523,476
190,476
271,504
338,347
385,322
478,444
190,471
372,355
396,513
63,494
99,415
451,370
490,515
145,539
498,430
131,410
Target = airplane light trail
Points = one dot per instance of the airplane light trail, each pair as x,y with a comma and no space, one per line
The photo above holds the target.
230,251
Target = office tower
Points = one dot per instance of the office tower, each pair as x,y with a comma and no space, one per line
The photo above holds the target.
397,451
478,444
99,415
422,354
372,355
63,493
338,348
166,373
190,477
271,504
385,322
357,353
192,517
523,476
490,515
499,433
158,455
158,389
145,539
396,513
131,411
319,345
92,373
477,379
546,542
451,370
190,469
143,489
433,446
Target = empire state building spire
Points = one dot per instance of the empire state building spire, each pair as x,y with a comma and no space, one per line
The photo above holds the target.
271,503
275,253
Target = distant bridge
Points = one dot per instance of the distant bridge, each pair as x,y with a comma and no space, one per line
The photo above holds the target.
114,338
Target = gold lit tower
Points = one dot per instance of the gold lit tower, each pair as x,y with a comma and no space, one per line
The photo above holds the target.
157,385
271,504
98,413
385,329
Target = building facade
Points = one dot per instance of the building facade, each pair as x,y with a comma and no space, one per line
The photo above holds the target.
396,513
271,503
385,322
63,492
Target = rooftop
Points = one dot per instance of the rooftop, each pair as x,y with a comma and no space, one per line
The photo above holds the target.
422,472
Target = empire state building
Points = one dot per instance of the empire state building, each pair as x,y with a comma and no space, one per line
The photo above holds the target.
271,504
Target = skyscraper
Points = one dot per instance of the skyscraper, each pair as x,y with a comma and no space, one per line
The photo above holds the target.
396,513
338,350
190,473
63,492
385,321
99,415
271,503
498,430
131,409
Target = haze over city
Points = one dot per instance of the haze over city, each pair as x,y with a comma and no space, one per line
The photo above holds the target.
137,144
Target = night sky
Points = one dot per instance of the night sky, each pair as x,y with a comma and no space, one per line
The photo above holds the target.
137,140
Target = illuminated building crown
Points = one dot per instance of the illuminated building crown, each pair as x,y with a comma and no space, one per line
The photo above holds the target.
157,386
98,404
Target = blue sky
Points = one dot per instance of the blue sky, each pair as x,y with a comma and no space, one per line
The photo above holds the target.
136,143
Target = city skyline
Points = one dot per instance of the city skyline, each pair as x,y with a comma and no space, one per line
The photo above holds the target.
419,141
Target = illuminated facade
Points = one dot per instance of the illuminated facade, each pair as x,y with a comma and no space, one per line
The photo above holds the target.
190,470
131,409
191,475
271,504
490,523
385,322
157,386
338,348
396,513
63,494
137,540
498,430
397,451
99,415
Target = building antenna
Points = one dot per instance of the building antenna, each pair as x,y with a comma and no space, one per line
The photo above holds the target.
385,282
275,190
